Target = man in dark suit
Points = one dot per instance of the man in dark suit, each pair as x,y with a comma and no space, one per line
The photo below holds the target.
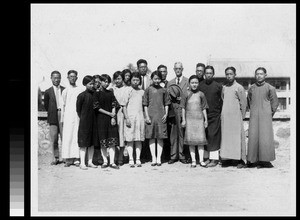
177,132
53,105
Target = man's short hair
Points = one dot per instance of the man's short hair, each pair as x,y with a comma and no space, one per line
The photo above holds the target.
209,68
55,72
261,68
200,64
72,71
231,68
141,61
161,66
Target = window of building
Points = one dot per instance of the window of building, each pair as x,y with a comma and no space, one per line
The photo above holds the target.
283,85
282,104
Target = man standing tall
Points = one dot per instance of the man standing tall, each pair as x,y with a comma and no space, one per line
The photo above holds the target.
142,66
53,106
70,148
177,132
212,91
233,143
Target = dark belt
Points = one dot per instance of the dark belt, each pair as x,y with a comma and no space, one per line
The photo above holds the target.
59,109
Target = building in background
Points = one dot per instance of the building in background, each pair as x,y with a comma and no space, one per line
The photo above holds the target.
278,75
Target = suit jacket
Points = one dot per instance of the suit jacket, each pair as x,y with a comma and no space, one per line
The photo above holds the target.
50,105
148,81
184,84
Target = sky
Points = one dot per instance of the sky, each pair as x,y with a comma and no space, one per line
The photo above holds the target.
103,38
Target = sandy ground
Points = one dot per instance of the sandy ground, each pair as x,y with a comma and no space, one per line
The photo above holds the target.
173,189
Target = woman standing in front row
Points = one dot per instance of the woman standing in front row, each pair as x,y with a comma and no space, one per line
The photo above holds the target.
105,105
194,118
134,131
156,104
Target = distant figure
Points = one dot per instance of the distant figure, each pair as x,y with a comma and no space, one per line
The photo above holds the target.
156,104
164,72
200,67
233,143
87,123
212,91
127,76
53,105
175,114
194,119
263,102
70,148
105,104
134,132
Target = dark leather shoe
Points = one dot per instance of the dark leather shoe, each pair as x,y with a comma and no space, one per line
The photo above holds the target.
114,166
171,161
183,161
212,163
158,164
153,164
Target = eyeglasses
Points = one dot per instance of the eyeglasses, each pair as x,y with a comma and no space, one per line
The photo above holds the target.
177,68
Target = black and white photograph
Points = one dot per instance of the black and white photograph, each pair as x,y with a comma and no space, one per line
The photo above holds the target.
163,109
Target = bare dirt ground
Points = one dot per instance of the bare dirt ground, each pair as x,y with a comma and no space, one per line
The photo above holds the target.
173,189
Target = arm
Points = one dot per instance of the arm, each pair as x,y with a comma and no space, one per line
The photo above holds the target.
205,106
167,102
205,118
274,100
148,120
79,103
164,118
183,122
146,104
127,120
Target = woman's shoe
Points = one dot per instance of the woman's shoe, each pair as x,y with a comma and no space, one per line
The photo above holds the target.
67,164
203,164
104,165
92,165
138,163
83,167
131,163
153,164
158,164
193,165
114,166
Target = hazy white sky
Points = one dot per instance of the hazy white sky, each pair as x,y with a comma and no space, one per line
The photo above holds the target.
104,38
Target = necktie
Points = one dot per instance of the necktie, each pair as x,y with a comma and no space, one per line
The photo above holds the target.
143,86
178,80
57,97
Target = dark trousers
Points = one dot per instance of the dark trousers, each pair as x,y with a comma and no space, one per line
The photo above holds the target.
176,138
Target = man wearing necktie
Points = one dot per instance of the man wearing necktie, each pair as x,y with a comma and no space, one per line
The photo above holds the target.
142,66
177,132
53,102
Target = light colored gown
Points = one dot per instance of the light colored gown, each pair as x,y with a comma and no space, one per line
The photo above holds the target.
194,104
233,143
119,94
70,119
133,101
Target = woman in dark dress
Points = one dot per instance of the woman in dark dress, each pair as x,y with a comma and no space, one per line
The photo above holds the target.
106,106
87,123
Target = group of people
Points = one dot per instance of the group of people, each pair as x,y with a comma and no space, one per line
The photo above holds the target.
151,119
